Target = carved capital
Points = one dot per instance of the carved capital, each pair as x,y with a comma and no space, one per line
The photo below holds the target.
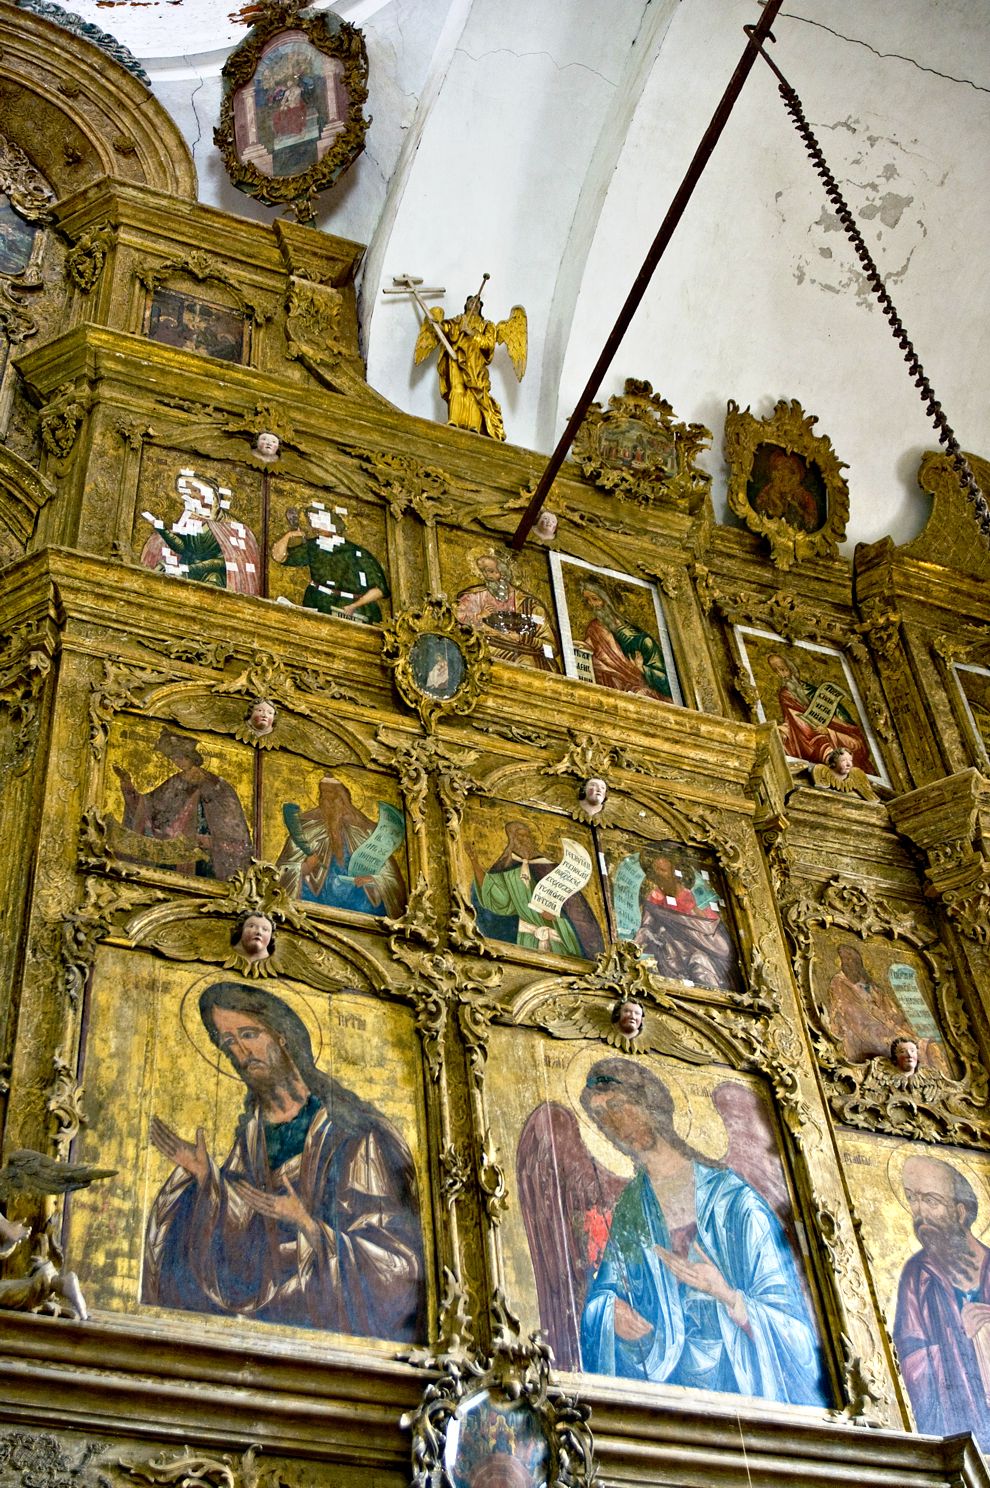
949,821
61,419
25,665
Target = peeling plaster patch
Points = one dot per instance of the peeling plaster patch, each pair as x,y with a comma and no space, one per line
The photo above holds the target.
864,168
889,209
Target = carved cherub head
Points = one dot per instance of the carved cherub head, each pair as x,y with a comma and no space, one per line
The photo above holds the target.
840,762
253,934
545,526
592,796
266,446
904,1053
628,1017
261,716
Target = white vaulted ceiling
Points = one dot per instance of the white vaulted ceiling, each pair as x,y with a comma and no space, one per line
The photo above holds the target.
542,143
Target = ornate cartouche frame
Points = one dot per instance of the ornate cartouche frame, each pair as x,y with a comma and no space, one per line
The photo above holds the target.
792,430
517,1372
648,482
875,1095
435,617
334,38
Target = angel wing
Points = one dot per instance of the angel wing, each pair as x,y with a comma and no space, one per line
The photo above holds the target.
566,1198
513,335
427,341
27,1172
753,1152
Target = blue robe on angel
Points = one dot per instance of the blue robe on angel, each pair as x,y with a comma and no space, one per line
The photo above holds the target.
694,1340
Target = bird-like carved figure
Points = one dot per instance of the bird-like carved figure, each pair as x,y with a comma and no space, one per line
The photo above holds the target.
47,1287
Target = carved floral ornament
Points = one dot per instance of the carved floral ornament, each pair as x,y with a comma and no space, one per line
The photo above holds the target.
928,1102
637,449
440,666
291,118
786,482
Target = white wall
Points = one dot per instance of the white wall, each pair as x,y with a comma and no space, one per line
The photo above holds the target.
543,142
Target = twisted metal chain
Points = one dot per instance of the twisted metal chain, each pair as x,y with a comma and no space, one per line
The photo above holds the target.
974,495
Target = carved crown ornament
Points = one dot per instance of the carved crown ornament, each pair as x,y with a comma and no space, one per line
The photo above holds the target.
440,667
786,482
638,449
292,114
875,977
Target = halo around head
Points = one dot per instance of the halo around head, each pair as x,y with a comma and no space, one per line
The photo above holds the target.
192,1023
596,1141
895,1171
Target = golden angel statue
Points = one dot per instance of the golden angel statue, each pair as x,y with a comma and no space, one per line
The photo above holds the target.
467,344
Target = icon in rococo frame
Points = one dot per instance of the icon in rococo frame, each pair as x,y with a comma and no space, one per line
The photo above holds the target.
440,666
500,1423
786,482
637,448
291,119
613,630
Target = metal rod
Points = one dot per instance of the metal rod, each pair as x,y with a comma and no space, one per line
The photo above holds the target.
674,214
968,481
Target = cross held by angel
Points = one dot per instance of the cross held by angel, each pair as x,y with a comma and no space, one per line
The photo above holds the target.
466,344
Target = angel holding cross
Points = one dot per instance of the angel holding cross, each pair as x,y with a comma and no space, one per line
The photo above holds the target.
466,344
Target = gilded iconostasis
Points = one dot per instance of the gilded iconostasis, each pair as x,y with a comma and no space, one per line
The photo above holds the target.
451,961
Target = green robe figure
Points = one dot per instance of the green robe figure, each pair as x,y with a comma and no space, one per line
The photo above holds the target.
344,579
502,896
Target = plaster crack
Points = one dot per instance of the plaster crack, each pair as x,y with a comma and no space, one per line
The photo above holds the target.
521,56
886,56
192,103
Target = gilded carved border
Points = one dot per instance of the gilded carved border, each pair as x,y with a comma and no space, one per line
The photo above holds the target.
334,38
875,1095
791,430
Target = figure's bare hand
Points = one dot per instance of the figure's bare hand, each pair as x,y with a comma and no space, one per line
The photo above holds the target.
975,1315
192,1156
703,1275
12,1232
310,865
628,1323
286,1207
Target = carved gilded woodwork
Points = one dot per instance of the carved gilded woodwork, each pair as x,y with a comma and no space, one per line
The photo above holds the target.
503,1409
947,1092
638,449
251,159
440,667
104,656
786,482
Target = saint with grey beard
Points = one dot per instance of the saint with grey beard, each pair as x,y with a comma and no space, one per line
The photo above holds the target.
943,1305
